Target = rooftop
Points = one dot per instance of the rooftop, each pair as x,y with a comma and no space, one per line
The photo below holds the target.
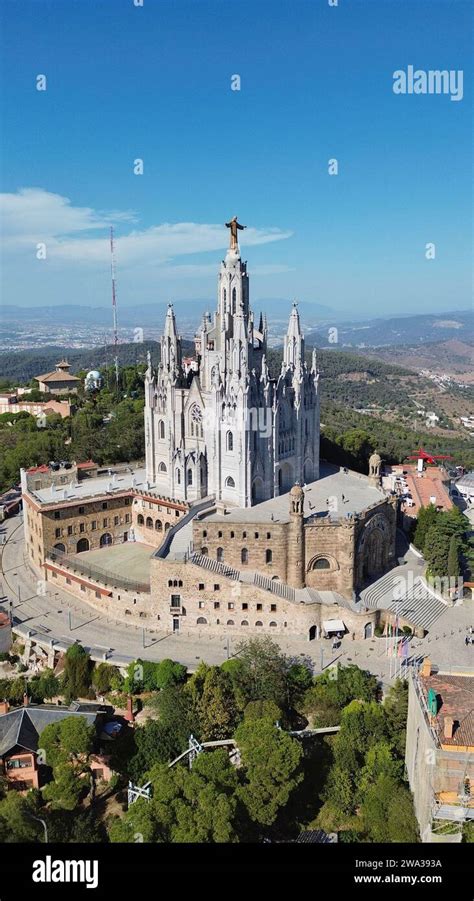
334,495
110,483
23,725
455,695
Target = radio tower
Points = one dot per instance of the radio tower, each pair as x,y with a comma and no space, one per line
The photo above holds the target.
114,305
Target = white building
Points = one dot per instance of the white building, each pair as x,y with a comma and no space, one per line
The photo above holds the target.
224,427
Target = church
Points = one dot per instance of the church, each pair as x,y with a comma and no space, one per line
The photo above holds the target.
225,428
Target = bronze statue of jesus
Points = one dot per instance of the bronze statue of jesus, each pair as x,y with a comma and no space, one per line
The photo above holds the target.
234,225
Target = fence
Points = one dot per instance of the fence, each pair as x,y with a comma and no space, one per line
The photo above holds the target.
104,576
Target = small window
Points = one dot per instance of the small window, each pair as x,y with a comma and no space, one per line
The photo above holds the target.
57,533
219,534
82,527
230,447
230,605
68,581
162,429
116,520
127,517
176,600
55,575
83,587
162,467
201,586
201,621
244,555
273,608
204,533
149,522
269,534
244,534
256,534
105,522
258,623
189,477
201,605
245,606
69,530
322,563
217,587
268,556
232,534
204,551
230,483
104,505
220,555
158,525
272,625
97,594
81,511
140,519
244,622
259,606
230,622
216,605
94,525
57,514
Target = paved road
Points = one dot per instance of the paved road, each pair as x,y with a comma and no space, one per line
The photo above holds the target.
67,619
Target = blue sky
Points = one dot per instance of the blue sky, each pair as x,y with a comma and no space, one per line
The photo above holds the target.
154,82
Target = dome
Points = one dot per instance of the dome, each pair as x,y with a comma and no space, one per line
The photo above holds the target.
375,458
296,491
93,374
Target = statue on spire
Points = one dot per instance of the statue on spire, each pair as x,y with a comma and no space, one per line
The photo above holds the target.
234,225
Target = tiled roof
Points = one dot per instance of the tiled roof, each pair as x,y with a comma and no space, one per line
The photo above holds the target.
23,725
456,700
56,376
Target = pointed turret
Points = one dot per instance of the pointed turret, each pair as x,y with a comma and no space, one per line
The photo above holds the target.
293,354
171,343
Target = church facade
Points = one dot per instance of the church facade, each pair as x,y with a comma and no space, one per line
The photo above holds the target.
226,428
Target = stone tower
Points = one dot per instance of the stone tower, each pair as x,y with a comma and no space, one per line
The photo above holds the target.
296,549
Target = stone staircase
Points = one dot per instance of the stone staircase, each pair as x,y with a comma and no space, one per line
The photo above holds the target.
418,605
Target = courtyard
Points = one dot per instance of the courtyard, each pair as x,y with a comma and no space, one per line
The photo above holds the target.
130,560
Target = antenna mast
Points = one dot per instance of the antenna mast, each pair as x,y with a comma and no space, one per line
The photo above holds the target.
114,304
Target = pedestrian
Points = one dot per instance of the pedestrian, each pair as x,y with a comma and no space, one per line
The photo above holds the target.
467,640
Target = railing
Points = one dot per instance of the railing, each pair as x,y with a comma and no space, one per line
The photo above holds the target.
215,566
276,587
104,576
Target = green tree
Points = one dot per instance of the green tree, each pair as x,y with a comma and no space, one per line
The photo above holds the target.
67,787
77,673
216,708
168,673
262,672
454,568
16,823
105,678
272,766
425,519
48,684
396,710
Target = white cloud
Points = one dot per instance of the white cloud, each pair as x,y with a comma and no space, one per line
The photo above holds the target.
34,215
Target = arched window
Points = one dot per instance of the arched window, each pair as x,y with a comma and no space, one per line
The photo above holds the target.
149,522
161,427
272,625
268,555
105,539
244,622
190,477
229,482
224,296
230,441
204,551
178,476
321,563
258,623
170,583
158,525
230,622
162,467
82,545
167,526
234,299
244,555
140,519
60,547
201,621
220,555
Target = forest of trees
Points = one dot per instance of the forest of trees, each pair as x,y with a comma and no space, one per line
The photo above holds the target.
351,782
